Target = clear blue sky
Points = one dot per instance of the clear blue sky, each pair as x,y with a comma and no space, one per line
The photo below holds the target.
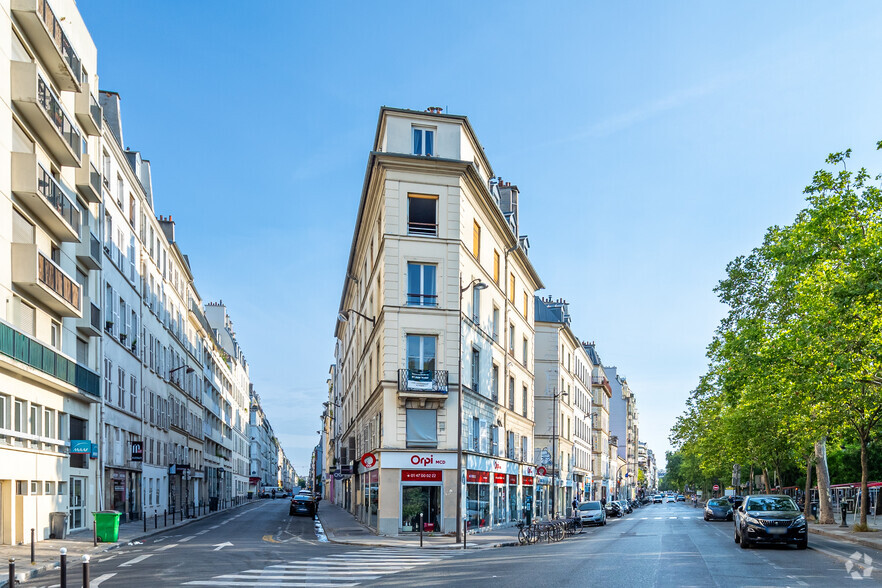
651,143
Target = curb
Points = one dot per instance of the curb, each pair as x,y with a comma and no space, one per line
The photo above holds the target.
37,570
856,541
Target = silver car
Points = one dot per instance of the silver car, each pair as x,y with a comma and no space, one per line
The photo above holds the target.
592,513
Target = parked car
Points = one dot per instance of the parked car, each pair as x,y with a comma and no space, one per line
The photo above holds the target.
657,499
681,498
592,513
614,509
735,501
718,509
670,498
770,518
303,504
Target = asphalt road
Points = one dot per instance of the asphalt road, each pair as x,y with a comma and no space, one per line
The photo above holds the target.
658,545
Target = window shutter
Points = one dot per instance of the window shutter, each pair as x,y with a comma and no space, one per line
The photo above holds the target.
485,441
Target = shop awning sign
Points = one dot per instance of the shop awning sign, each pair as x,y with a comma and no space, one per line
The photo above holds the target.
368,460
541,471
137,451
80,446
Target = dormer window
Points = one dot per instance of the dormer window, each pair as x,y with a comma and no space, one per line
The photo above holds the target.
423,141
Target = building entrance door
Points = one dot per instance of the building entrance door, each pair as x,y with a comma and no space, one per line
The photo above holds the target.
77,503
421,499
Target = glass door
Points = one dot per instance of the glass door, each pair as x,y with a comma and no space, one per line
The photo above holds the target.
421,499
77,503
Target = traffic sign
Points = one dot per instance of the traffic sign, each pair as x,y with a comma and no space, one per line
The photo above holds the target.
368,460
541,471
716,487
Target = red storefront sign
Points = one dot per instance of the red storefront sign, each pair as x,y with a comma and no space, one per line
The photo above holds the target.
499,478
512,479
476,477
420,475
527,480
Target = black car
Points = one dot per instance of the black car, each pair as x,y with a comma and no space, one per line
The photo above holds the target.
303,504
614,509
735,501
718,509
770,518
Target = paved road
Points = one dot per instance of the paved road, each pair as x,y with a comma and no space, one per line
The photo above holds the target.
657,545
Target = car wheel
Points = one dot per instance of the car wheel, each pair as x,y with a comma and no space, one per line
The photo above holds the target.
745,543
290,512
802,544
737,536
705,516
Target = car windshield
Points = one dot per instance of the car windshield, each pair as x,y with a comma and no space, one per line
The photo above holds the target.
766,503
718,502
589,506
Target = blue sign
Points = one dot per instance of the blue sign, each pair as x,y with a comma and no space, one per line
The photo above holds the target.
94,453
80,446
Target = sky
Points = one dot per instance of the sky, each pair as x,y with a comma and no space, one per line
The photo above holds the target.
652,144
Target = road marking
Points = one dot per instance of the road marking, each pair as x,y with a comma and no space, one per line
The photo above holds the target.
138,559
672,517
202,532
169,546
219,546
97,581
188,538
214,527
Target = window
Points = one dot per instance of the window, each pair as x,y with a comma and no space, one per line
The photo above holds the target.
511,389
524,401
421,352
422,215
496,266
525,305
525,351
121,388
133,394
511,287
511,338
525,449
510,445
476,241
55,335
423,141
421,285
476,305
476,434
422,428
49,489
49,424
119,190
494,383
476,369
495,323
494,440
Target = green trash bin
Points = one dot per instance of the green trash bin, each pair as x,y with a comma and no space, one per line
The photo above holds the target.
107,525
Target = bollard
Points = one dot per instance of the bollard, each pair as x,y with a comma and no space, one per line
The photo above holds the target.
465,532
165,517
11,572
33,545
421,529
86,582
144,516
155,519
844,508
94,533
63,568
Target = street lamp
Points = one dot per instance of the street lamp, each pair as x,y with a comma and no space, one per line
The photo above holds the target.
479,285
554,397
616,476
343,316
180,367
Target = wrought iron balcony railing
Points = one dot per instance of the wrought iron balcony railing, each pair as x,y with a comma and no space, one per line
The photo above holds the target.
422,381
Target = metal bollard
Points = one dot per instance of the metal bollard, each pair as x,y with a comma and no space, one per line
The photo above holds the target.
11,572
86,582
465,532
421,529
63,568
144,516
94,533
33,546
165,517
155,519
844,508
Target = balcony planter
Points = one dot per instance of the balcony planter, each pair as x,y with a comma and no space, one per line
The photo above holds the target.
122,337
134,345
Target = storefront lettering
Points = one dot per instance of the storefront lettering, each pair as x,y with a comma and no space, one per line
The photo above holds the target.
419,460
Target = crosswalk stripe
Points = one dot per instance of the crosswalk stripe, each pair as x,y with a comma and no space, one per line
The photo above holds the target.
274,584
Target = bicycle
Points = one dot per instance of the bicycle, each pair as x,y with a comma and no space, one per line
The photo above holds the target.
574,526
525,533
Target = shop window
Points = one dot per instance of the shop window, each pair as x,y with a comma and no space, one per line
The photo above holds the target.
422,428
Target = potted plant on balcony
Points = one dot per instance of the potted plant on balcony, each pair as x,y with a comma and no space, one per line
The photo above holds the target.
122,337
108,325
134,344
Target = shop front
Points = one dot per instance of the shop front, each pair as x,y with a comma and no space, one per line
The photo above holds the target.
543,498
492,497
413,484
528,474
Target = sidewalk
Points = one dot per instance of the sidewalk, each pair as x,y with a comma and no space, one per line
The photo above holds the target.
341,527
871,539
79,543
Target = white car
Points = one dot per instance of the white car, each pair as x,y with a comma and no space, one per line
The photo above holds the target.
592,513
670,498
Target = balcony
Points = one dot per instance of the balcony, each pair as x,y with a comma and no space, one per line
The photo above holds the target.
88,180
90,324
88,111
45,281
422,383
599,382
44,33
45,197
42,109
89,252
20,347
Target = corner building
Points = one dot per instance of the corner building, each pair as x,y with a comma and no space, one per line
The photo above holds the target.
437,274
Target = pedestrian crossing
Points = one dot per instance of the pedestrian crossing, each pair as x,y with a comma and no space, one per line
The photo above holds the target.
330,571
613,520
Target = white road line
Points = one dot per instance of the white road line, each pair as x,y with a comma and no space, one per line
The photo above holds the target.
202,532
138,559
169,546
188,538
214,527
672,517
657,518
307,584
97,581
281,575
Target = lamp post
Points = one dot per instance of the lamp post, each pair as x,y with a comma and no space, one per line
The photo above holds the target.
554,397
479,285
616,476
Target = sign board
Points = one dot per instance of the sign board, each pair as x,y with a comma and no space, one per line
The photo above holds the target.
527,480
545,457
94,453
338,476
477,477
499,478
137,451
368,460
421,475
420,380
80,446
541,471
345,469
716,487
422,461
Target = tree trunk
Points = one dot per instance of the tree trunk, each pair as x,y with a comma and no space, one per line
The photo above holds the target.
825,510
807,507
766,488
750,481
865,504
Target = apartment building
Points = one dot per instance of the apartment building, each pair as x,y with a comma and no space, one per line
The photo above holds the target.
601,392
623,425
264,452
563,407
435,313
50,323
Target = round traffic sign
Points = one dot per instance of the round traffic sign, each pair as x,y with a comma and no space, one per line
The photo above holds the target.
716,487
368,460
541,471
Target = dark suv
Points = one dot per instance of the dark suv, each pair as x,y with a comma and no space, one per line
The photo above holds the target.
770,518
303,504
